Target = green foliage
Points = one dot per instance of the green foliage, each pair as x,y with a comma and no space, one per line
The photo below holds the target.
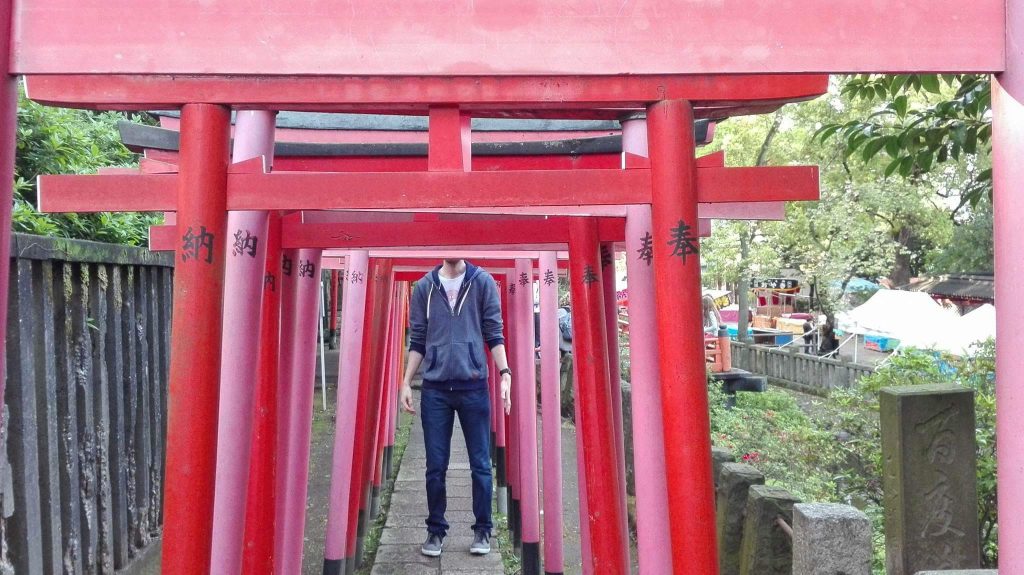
921,122
65,141
970,248
866,224
830,450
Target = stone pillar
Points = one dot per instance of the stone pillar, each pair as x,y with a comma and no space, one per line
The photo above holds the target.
929,478
767,548
719,457
733,482
829,538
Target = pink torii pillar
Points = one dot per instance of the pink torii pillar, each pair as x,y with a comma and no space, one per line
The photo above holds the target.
551,412
384,413
525,382
1008,175
649,452
500,420
242,311
8,142
611,317
299,316
512,436
350,342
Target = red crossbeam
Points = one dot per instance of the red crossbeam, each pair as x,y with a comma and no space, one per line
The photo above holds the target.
413,190
544,233
483,233
588,96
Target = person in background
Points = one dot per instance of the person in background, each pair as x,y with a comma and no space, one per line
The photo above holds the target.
829,341
808,336
712,319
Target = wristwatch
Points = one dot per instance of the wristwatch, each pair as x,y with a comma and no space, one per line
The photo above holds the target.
504,371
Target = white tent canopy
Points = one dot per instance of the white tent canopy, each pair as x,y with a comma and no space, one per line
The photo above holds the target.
916,320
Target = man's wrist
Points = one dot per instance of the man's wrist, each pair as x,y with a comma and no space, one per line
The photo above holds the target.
505,371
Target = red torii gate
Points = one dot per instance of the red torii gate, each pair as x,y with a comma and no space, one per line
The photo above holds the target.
650,505
635,57
448,230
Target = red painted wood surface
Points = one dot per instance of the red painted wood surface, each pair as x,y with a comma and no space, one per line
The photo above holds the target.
596,425
492,37
411,190
258,554
194,384
563,97
495,232
679,327
163,161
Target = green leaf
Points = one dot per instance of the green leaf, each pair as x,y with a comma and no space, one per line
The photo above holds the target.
826,132
897,83
971,141
924,161
872,148
892,146
930,82
900,105
906,166
892,167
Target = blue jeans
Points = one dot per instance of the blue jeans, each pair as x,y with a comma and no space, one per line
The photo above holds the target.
437,412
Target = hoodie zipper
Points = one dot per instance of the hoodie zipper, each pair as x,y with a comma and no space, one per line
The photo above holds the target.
451,310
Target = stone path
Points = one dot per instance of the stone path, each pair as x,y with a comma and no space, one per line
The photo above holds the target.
405,530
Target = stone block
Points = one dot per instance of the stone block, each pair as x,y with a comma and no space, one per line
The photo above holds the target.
767,548
731,505
719,457
929,478
830,539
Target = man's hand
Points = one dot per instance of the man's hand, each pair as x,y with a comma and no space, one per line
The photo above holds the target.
506,391
405,399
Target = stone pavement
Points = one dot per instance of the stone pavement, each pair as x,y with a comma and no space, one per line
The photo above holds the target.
405,530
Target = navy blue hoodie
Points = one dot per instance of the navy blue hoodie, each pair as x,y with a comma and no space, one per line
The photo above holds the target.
452,339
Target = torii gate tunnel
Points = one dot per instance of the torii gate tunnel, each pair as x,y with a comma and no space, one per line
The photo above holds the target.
656,66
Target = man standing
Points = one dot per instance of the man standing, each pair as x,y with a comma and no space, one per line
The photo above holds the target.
455,310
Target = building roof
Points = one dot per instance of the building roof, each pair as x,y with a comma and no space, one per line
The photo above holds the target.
978,287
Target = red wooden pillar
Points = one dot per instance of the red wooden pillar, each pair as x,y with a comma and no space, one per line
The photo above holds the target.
594,430
611,319
378,288
8,133
680,336
333,324
383,414
258,554
193,387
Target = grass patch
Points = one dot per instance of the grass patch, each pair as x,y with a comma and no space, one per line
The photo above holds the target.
511,561
374,532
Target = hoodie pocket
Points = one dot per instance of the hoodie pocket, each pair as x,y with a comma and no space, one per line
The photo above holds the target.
431,357
474,351
439,366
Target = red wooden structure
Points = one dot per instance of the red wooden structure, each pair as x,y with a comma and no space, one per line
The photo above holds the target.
677,61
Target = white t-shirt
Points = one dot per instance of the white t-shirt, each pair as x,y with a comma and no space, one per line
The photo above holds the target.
452,287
